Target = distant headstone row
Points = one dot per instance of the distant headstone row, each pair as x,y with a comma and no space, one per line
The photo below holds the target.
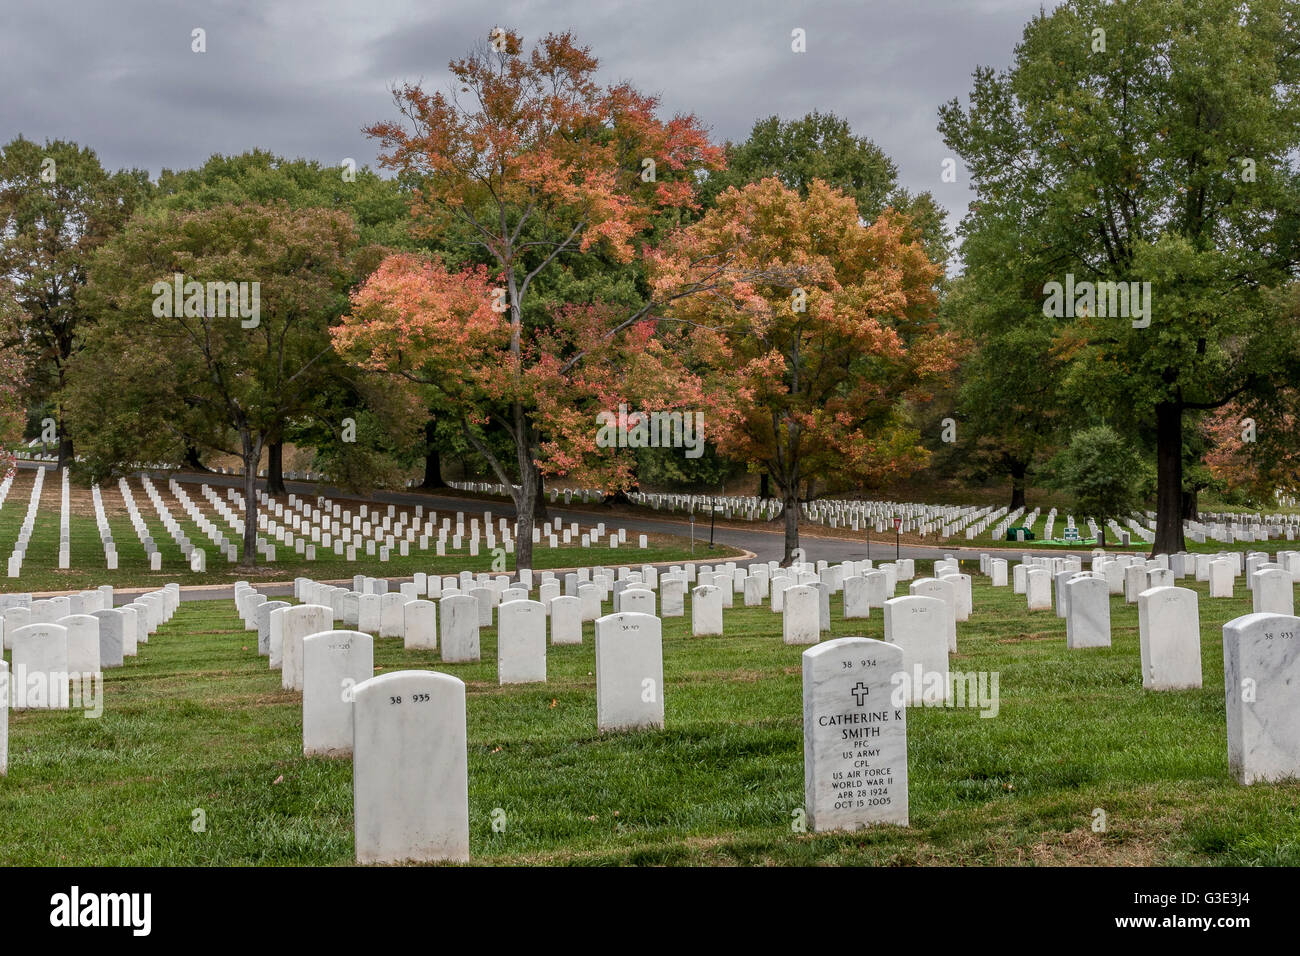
28,523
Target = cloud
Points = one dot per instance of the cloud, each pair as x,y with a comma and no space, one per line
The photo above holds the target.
302,79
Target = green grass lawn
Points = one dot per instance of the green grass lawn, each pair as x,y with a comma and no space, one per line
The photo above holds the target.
198,722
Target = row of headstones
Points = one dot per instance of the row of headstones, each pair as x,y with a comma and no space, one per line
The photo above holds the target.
138,523
289,475
409,716
62,643
868,784
1168,616
850,514
855,725
854,515
415,720
382,544
1016,518
948,519
1270,583
229,546
1232,528
592,588
104,528
28,523
521,622
65,520
855,722
127,625
1169,630
169,522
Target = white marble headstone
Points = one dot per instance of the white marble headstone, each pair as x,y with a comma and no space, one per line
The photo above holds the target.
855,735
566,620
706,610
1169,638
112,627
801,621
5,703
39,667
83,643
460,638
1273,592
410,776
946,592
919,625
1261,674
297,623
1087,623
521,642
333,664
420,625
629,672
1038,589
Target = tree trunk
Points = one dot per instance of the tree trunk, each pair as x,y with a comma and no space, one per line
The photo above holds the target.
252,454
526,497
791,528
275,469
1169,479
541,507
192,460
65,450
432,459
1191,511
1101,535
764,485
1017,487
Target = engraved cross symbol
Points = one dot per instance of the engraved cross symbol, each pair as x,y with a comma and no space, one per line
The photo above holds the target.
860,693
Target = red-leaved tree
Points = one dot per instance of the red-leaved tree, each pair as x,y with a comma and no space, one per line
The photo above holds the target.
529,161
821,330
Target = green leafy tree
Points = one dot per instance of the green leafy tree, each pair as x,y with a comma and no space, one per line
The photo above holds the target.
823,146
1161,150
57,205
11,378
378,208
1103,473
153,379
1008,402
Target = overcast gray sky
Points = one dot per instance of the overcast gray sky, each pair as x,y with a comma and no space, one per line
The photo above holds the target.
303,78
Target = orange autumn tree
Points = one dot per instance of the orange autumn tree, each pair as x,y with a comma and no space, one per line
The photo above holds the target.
1254,444
437,330
12,372
812,365
528,162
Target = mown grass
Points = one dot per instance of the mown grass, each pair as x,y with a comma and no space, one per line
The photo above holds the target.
198,722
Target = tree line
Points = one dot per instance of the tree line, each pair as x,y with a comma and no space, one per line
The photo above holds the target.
545,249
